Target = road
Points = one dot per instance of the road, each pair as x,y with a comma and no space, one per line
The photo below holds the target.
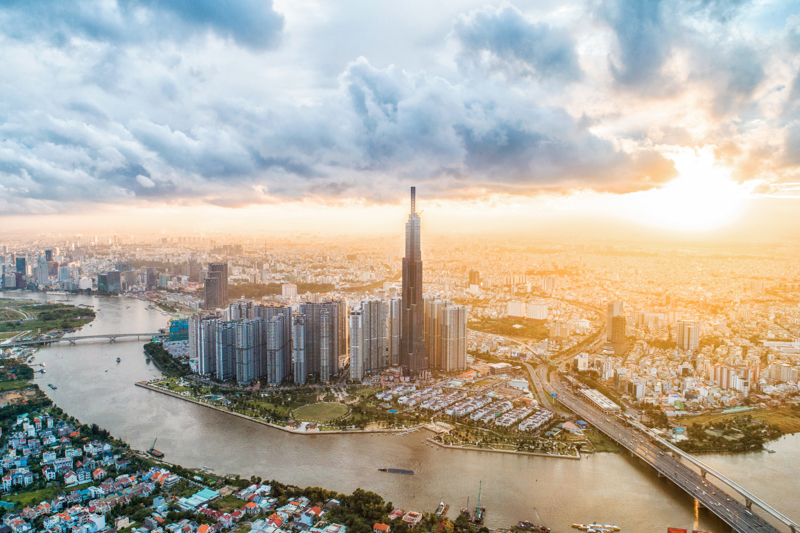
710,496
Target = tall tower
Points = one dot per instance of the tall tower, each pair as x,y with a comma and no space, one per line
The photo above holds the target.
615,308
413,357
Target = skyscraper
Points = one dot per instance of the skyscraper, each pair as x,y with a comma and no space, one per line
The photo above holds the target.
368,338
321,339
278,343
394,330
454,338
218,271
249,350
618,329
446,335
211,296
615,308
413,357
688,335
226,350
299,349
150,279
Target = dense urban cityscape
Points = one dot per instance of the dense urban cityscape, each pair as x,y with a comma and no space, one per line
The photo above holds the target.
524,266
484,347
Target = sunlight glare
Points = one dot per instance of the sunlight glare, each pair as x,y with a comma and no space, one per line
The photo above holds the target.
702,197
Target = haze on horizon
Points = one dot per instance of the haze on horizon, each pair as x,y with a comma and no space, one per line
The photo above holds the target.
623,117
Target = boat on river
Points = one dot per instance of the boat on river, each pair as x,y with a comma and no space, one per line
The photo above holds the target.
397,471
480,511
155,453
442,509
530,526
52,386
594,527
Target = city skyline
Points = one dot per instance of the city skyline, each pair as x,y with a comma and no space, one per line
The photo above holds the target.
218,284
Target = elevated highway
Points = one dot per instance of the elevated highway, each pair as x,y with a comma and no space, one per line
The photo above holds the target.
675,464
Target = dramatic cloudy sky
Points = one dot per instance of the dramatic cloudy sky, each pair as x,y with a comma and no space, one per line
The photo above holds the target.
189,105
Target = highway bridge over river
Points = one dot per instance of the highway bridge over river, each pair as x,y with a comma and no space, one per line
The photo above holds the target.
112,337
737,509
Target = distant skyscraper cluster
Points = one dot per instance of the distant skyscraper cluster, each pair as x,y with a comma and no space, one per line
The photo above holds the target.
266,341
310,341
252,343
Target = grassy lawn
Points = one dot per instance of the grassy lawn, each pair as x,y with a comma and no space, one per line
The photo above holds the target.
786,418
9,385
227,503
27,499
529,329
174,387
601,442
320,412
8,335
281,410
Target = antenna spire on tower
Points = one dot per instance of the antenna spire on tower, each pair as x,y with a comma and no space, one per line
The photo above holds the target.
413,199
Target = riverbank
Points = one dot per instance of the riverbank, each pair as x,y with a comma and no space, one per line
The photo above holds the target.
554,456
303,431
294,431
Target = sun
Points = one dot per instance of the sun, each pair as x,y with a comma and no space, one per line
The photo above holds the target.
703,197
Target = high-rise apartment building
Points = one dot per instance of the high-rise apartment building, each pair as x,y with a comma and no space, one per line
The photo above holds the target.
454,339
615,308
322,339
394,322
279,351
299,349
225,350
216,286
474,278
618,332
240,309
249,351
536,311
289,291
42,271
446,335
413,357
211,295
688,335
515,309
151,280
368,338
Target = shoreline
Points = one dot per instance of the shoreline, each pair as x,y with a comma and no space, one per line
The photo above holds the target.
147,386
535,454
345,432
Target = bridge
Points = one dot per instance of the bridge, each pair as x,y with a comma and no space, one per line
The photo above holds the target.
112,337
674,464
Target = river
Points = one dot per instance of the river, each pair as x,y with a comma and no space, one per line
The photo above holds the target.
607,488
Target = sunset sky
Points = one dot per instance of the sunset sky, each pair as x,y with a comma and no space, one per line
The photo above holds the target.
257,116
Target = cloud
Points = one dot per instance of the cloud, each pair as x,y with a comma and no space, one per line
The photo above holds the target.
643,41
250,23
146,182
515,45
508,101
